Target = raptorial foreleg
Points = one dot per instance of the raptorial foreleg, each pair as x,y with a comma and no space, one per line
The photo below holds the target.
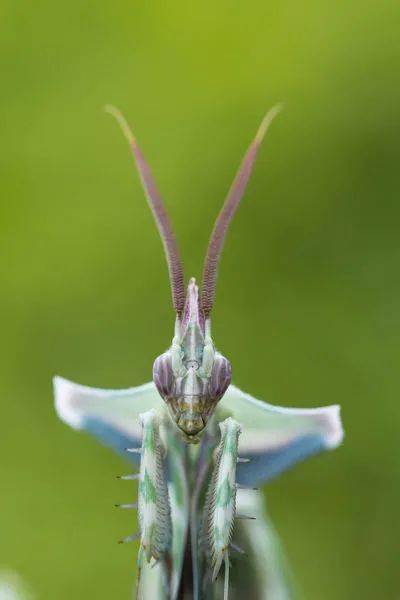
220,507
153,501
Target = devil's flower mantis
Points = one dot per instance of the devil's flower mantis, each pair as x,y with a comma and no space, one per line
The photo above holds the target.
201,444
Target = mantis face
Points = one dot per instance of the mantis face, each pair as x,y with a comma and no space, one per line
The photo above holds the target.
191,376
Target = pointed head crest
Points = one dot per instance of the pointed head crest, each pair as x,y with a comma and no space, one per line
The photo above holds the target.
192,315
192,376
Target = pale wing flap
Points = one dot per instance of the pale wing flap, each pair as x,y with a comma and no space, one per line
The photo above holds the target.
276,438
110,415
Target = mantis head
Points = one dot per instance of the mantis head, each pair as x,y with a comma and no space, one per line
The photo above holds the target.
191,376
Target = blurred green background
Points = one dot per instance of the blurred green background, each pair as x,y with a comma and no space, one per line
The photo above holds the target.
308,296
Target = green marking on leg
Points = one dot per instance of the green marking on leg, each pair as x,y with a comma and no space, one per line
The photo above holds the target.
147,489
224,494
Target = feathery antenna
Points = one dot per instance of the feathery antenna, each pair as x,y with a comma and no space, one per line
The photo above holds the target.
160,214
227,212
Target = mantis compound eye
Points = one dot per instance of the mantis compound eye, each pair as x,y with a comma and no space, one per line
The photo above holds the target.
163,376
221,376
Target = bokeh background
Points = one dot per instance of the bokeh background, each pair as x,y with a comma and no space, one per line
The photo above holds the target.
308,296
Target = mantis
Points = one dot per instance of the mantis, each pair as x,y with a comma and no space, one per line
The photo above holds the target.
202,446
